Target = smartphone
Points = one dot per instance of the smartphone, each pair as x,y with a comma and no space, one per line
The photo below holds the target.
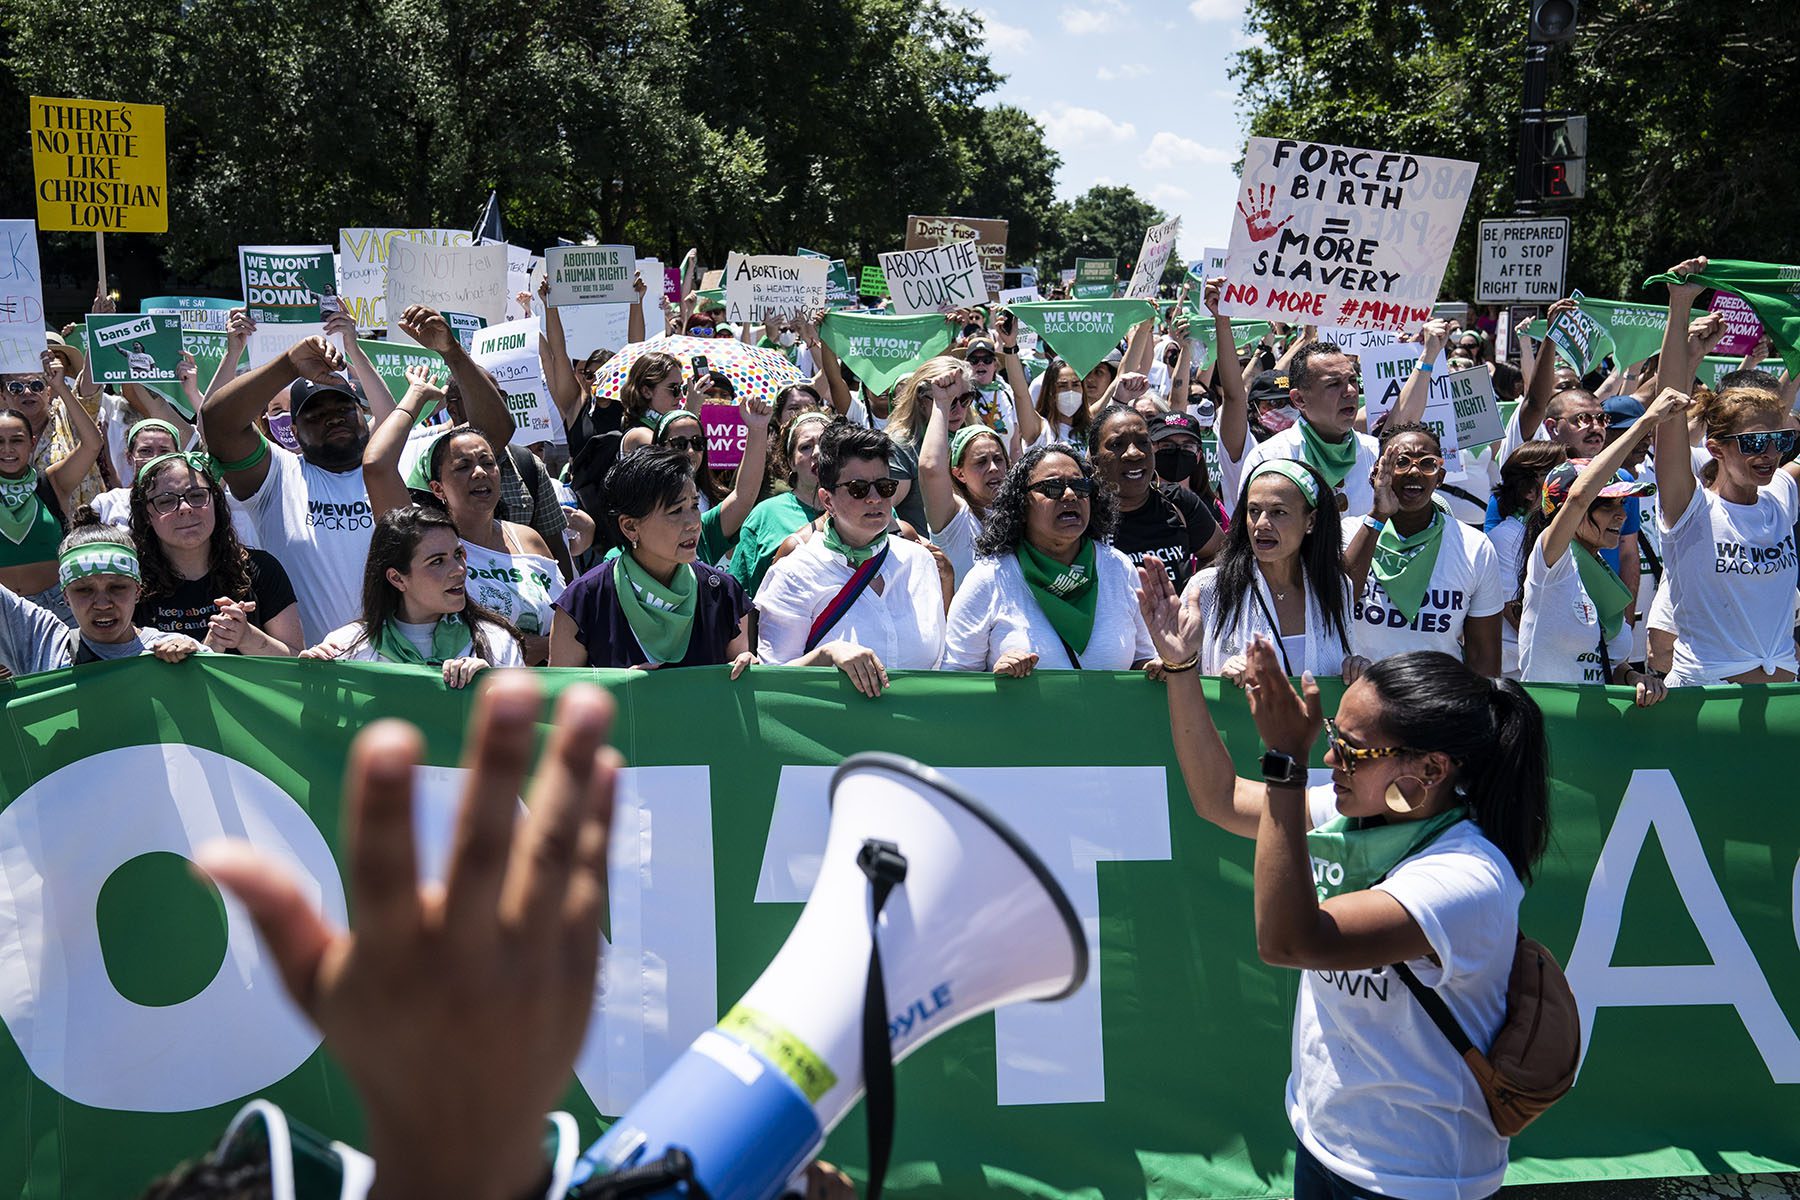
1006,322
698,363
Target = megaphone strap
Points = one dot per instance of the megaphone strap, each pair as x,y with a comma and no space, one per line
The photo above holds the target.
885,866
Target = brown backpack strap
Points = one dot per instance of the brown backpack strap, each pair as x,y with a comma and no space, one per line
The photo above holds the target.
1436,1009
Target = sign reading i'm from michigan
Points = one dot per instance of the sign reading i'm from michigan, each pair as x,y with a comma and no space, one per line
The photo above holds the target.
1522,261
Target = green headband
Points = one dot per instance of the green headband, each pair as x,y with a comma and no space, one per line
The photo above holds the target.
153,423
968,433
96,558
1291,471
426,467
794,428
201,461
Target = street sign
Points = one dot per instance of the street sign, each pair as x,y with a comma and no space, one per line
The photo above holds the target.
1522,260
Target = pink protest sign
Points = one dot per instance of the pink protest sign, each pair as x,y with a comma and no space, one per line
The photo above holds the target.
1742,329
725,434
672,284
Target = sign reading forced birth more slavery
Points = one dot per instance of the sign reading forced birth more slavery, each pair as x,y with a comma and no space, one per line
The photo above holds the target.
133,349
510,352
934,280
591,275
1333,235
761,286
99,166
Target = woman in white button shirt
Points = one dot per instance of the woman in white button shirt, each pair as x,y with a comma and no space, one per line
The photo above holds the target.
1573,627
851,595
1048,589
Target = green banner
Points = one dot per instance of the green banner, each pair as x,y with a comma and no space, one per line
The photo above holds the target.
133,348
882,349
1635,330
1202,330
1082,332
1095,278
1715,367
138,1017
390,360
1773,290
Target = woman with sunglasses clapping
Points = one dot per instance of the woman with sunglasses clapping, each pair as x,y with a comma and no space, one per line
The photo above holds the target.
1416,853
853,595
1048,588
31,501
1728,547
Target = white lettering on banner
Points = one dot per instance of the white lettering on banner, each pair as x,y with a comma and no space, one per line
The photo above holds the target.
1074,818
240,1033
1733,977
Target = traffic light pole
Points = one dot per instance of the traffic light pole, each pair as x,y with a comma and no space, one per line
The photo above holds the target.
1531,117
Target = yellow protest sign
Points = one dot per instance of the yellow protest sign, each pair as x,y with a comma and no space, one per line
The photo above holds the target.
99,166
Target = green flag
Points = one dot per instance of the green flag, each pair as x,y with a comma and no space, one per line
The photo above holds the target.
1200,329
1082,332
1635,330
881,349
1772,290
1715,367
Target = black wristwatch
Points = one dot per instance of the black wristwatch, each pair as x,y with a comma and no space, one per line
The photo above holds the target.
1282,770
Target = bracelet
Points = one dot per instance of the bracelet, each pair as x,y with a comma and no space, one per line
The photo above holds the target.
249,460
1425,365
1178,668
1370,522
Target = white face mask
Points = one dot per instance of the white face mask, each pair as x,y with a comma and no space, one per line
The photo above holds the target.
1277,419
787,337
1068,403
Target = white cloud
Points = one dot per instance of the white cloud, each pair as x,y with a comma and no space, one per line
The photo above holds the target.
1167,196
1002,37
1122,71
1098,16
1217,10
1168,150
1067,127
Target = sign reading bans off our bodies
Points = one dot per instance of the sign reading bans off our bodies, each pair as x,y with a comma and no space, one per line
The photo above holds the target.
99,166
1334,235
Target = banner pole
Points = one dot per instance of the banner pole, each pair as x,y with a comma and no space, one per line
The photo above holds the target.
100,257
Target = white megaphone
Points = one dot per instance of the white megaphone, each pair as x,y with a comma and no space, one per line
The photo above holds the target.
969,919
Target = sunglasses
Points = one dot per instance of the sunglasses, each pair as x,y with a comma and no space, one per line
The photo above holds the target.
966,399
1750,444
1350,755
1583,420
981,360
1056,489
685,444
859,488
1428,463
167,502
19,387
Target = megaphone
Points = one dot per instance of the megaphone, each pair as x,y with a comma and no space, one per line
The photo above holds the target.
928,911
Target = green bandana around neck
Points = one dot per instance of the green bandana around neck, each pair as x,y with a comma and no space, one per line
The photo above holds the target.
856,556
882,350
18,506
1333,460
1349,855
661,618
450,638
1403,565
97,558
1604,587
1066,594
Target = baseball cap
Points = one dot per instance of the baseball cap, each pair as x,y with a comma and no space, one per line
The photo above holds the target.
981,344
305,391
1622,411
1561,480
1269,390
1167,425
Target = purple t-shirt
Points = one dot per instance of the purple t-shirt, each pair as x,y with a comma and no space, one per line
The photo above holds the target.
592,602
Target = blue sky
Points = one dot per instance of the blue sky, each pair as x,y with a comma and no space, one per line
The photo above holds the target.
1130,92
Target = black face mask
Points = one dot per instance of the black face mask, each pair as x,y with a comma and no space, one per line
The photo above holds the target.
1174,464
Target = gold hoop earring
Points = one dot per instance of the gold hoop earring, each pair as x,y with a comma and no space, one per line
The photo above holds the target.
1396,798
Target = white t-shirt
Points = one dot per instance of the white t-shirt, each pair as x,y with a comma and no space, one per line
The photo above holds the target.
1732,571
1559,635
994,612
903,623
503,650
1376,1092
1513,438
957,539
519,587
1356,489
1231,471
1465,582
317,523
1508,539
1318,650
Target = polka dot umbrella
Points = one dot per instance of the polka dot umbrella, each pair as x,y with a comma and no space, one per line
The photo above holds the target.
753,370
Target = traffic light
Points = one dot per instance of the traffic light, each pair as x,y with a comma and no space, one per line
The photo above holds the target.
1553,20
1556,148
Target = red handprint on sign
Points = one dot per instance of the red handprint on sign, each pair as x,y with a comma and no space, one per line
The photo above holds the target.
1262,208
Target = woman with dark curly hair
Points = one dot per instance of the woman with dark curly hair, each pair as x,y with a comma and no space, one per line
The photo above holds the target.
1047,587
199,580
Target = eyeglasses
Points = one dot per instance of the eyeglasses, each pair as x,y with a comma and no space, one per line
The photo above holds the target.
981,360
685,444
1582,420
1350,755
1056,489
859,488
966,399
195,498
19,387
1750,444
1428,463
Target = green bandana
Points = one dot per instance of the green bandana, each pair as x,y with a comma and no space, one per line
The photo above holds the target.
1333,460
1082,332
1604,587
201,461
881,350
1291,471
420,477
1769,288
149,423
1349,855
960,442
661,618
854,555
18,506
97,558
1066,594
449,639
1403,565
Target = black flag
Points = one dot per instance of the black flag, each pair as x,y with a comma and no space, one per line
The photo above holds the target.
487,226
